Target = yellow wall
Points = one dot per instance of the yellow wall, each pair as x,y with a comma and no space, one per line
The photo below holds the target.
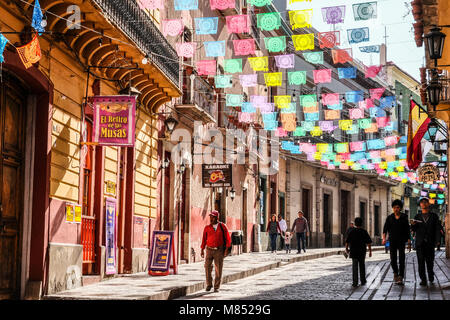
146,165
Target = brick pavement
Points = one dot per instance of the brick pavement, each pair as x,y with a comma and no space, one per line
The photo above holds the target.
318,274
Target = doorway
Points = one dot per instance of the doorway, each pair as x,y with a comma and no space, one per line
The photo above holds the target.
362,213
12,145
327,219
244,220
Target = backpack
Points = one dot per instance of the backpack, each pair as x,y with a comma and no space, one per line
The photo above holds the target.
224,239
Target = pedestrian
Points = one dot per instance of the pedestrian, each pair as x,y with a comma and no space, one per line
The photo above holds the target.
283,228
300,227
397,227
426,227
358,239
216,239
441,230
287,240
273,227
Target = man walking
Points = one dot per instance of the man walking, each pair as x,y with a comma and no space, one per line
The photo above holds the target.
397,226
283,228
426,227
216,240
300,227
358,239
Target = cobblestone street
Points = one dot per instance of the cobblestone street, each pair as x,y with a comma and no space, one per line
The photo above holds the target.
329,278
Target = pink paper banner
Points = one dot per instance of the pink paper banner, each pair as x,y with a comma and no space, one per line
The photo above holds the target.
382,122
330,99
238,23
391,141
244,47
356,113
373,71
186,49
222,4
172,27
114,120
206,67
322,76
248,80
357,146
247,117
376,93
285,61
151,4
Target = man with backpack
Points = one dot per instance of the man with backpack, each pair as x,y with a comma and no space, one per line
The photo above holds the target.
217,241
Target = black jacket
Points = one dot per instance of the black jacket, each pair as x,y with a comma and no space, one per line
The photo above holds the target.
427,232
398,230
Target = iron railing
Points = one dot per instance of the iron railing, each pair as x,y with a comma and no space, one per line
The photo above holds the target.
128,17
201,93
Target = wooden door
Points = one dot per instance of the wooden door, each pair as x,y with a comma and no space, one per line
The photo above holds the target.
244,220
327,220
12,146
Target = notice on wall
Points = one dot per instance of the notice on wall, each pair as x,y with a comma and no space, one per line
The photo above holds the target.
161,251
73,213
110,233
114,120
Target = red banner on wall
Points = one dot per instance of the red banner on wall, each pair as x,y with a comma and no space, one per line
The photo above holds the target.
114,121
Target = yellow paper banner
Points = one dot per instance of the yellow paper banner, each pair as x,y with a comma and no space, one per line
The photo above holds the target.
303,41
273,79
259,63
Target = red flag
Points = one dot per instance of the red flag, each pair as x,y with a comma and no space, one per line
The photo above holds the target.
417,127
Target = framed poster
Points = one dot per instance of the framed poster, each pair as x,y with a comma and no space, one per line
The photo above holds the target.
161,253
114,120
217,175
110,233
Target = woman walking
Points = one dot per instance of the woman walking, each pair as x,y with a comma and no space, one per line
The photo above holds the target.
273,227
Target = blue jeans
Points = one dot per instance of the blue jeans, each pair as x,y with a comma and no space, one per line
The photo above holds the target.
301,236
273,241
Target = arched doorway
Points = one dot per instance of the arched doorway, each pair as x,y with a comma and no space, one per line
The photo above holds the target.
13,102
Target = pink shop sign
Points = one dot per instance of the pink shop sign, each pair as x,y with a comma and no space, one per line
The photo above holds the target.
114,120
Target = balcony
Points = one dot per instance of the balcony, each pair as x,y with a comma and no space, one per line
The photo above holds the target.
198,99
127,16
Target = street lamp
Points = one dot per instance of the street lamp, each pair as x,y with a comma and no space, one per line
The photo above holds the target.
433,127
165,164
182,169
170,124
435,43
434,89
232,193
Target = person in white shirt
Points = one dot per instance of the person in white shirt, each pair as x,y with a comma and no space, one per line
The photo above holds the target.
283,227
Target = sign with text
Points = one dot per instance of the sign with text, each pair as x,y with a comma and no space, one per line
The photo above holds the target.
114,120
162,251
429,173
217,175
73,213
110,206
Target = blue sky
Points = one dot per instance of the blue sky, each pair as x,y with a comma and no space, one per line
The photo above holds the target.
392,16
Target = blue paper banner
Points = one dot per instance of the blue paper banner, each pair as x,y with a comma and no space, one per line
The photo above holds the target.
248,107
375,144
354,96
270,125
370,49
387,102
186,4
3,42
377,112
206,25
36,23
311,116
347,73
335,106
269,116
358,35
215,48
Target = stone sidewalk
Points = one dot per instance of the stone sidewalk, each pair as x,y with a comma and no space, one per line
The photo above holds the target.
190,277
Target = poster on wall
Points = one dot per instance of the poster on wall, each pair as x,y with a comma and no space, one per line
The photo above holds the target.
161,253
110,233
114,120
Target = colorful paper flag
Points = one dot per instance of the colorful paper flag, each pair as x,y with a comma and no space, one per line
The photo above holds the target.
347,73
356,113
282,101
330,99
303,41
332,114
329,39
215,48
206,25
333,15
234,100
273,79
36,23
222,4
232,65
314,57
354,96
238,23
297,77
206,67
248,80
259,63
365,11
342,55
373,71
172,27
223,81
30,53
308,100
370,49
151,4
3,42
300,18
358,35
322,76
186,5
244,47
269,21
285,61
376,93
260,3
275,44
186,49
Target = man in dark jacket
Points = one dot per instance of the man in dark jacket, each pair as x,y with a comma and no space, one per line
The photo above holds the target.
300,227
426,227
397,226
